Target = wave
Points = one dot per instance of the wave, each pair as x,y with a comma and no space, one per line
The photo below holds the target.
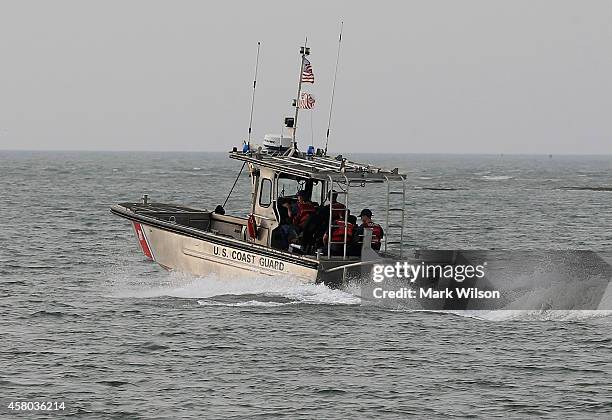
587,188
439,188
536,315
248,303
496,177
519,315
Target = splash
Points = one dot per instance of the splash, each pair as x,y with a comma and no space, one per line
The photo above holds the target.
214,290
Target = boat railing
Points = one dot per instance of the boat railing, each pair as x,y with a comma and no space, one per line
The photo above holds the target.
394,229
330,225
395,208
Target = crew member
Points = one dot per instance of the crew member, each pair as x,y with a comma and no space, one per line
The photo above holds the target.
285,233
377,231
304,209
338,209
337,236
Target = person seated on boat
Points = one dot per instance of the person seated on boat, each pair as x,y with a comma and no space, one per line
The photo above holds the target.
285,233
314,228
377,231
337,236
318,222
353,248
304,209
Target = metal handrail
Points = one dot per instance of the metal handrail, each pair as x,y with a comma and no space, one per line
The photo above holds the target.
331,212
403,211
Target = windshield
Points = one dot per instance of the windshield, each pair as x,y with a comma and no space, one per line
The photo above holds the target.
288,186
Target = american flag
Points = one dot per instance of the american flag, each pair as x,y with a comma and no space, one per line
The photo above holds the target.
307,74
306,101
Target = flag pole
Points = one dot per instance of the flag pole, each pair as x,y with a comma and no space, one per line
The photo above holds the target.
303,52
331,106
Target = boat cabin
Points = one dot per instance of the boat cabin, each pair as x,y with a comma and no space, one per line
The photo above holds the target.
276,179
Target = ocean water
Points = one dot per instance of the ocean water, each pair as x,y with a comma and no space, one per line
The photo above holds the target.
86,320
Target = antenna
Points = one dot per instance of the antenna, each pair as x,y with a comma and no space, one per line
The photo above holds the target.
253,96
250,123
331,106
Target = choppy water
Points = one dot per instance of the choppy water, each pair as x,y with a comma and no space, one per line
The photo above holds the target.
86,320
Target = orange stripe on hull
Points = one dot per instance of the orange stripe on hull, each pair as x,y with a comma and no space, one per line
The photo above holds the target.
142,240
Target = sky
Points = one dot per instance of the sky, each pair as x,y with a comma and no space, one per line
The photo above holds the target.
470,76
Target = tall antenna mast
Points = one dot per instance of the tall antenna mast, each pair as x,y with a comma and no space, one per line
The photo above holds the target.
331,106
248,142
253,96
304,51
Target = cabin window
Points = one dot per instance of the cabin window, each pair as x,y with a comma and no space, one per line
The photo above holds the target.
317,192
289,187
265,197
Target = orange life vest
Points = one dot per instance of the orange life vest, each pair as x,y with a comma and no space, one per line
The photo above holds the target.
377,233
252,227
338,210
304,211
338,232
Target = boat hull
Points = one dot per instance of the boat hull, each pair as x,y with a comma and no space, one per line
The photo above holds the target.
175,251
193,241
192,248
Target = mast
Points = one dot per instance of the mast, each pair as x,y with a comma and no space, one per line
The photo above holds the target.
304,51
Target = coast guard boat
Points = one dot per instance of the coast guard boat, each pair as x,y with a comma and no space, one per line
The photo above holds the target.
202,242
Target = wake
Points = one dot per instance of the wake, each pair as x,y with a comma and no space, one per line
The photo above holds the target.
534,315
213,290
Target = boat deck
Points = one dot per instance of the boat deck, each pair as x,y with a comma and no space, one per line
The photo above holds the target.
173,213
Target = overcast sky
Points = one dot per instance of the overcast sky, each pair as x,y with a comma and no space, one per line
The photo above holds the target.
415,76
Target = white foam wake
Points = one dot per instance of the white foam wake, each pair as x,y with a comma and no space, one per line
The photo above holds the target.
245,304
496,177
260,291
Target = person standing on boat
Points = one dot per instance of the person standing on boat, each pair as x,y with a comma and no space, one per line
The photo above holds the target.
337,237
377,231
317,223
338,209
304,209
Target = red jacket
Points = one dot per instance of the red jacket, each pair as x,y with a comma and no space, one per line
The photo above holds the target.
338,232
377,234
305,209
